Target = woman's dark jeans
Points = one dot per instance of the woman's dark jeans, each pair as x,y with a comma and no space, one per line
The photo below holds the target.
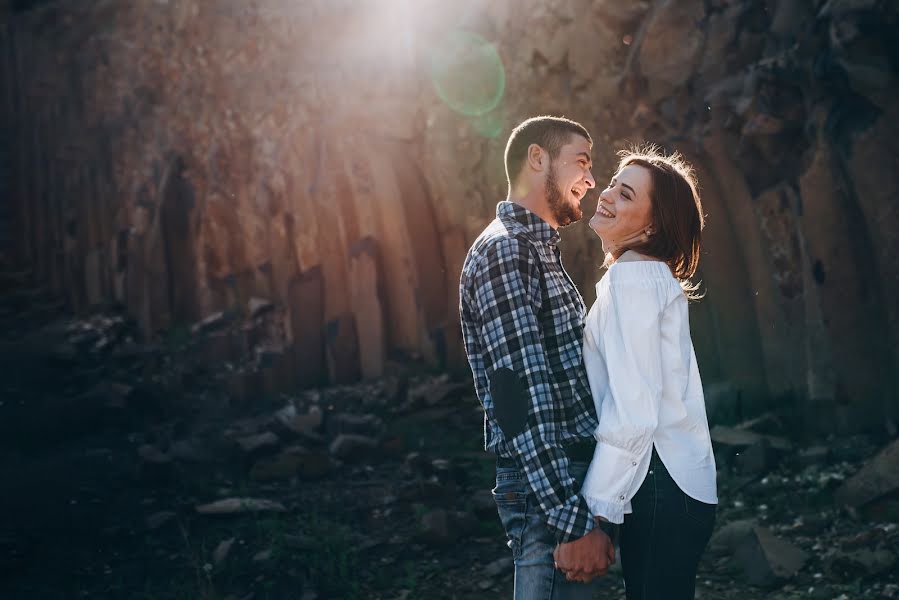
663,538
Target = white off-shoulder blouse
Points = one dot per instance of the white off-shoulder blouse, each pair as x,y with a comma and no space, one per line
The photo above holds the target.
642,370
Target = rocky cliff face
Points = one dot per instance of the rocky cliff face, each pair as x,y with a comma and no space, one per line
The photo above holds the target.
336,159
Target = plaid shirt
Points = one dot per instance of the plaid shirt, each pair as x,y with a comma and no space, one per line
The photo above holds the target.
521,311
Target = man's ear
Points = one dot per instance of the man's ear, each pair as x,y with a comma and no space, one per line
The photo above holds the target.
536,157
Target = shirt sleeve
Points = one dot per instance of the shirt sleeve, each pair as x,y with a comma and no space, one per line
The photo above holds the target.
508,295
629,343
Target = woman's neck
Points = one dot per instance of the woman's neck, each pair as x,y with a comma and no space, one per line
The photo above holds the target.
627,255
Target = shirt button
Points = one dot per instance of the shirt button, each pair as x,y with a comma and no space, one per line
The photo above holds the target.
634,464
621,497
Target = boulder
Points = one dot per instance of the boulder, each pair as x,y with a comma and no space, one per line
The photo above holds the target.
230,506
442,527
258,306
210,323
252,444
865,562
767,560
876,479
294,461
352,447
726,539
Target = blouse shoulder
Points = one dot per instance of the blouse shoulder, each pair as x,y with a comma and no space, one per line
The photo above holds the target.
640,271
642,285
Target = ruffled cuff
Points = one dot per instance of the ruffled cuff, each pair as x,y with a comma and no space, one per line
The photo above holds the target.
612,512
608,485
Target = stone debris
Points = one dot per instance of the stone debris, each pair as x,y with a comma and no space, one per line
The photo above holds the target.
742,438
364,424
433,392
99,332
482,503
158,519
151,454
209,323
189,450
351,447
878,478
220,554
230,506
501,566
864,561
442,527
757,459
263,555
258,306
253,443
728,537
780,535
116,394
813,455
766,559
294,461
300,423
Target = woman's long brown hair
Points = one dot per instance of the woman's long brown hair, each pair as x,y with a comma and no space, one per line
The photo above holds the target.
677,219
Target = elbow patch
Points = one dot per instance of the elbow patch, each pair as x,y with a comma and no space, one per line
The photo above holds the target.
510,402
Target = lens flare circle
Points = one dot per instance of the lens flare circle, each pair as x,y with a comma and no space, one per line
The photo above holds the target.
467,73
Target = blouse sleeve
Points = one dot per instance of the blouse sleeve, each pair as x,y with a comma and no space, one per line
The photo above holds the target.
629,341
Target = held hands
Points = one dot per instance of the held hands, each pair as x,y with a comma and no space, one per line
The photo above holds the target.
587,557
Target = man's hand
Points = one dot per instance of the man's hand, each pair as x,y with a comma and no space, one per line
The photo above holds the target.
586,557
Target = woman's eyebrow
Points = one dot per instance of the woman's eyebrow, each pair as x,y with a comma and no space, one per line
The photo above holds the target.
633,191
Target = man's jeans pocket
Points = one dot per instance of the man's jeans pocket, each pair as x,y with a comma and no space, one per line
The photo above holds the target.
510,495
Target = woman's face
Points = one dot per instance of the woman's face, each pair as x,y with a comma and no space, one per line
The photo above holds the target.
624,210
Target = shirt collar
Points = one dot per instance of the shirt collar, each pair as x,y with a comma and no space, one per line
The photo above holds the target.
523,219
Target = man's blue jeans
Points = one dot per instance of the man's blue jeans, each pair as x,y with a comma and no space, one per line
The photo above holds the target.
531,541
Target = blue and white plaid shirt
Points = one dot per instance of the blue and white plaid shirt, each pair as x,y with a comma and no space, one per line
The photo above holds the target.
521,311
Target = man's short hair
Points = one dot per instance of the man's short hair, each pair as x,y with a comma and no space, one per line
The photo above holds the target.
550,133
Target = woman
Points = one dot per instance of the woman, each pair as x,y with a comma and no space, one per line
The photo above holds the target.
653,467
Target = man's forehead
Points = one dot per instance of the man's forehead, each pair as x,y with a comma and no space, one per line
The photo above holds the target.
576,145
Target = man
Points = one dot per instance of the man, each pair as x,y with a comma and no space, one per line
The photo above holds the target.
522,321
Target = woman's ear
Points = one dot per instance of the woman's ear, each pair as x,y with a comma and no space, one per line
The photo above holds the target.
536,157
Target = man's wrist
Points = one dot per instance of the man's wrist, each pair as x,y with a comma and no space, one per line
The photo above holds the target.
607,527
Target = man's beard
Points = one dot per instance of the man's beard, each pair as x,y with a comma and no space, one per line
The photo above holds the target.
563,212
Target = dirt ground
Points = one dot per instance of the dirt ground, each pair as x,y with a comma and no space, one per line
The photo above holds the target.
113,451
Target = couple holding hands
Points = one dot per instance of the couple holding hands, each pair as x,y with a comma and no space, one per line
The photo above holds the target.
596,418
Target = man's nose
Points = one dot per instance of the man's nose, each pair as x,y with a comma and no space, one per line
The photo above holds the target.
591,183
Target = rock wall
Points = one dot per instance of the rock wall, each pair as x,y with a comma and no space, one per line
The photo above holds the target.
337,157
